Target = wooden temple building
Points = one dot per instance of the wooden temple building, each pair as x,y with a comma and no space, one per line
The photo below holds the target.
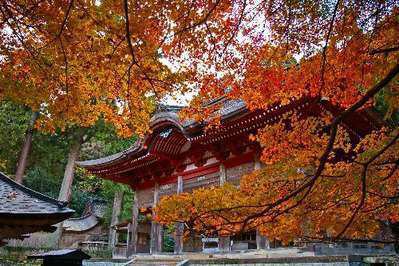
24,211
87,230
180,156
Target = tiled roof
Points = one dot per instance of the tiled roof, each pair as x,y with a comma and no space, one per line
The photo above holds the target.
95,210
228,109
16,199
81,224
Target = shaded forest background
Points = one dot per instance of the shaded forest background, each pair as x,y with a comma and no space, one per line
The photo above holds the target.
49,154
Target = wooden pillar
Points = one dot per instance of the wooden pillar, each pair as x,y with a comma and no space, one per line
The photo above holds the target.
132,229
224,241
156,239
261,241
179,226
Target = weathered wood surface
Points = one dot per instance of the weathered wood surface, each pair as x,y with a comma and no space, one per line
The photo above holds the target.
23,157
132,230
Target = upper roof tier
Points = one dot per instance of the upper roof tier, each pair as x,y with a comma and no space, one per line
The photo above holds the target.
165,117
173,143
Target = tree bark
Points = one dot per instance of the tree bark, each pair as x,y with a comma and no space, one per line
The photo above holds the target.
116,211
66,187
132,235
156,240
23,157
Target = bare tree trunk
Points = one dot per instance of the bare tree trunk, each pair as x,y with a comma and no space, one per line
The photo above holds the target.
66,187
116,211
23,157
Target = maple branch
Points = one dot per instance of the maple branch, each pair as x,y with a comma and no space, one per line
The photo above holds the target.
324,53
130,45
385,50
237,27
309,184
128,36
393,170
62,44
360,204
369,94
127,31
364,184
65,18
201,21
66,64
383,196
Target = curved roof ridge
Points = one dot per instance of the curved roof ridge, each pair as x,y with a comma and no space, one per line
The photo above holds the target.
230,108
156,120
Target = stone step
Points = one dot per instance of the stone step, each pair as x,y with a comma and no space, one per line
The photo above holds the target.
149,262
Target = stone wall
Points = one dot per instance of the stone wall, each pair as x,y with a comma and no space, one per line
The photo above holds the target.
284,261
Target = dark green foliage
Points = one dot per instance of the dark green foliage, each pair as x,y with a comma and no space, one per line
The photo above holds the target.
14,121
383,107
48,157
168,243
38,178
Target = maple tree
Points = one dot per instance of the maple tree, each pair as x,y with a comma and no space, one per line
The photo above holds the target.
343,52
78,61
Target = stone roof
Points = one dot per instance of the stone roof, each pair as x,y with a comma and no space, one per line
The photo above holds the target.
16,199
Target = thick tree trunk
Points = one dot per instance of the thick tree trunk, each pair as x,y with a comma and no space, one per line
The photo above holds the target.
66,187
116,211
23,157
132,233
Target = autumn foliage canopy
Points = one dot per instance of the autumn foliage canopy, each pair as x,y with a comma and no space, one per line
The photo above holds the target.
342,52
79,61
